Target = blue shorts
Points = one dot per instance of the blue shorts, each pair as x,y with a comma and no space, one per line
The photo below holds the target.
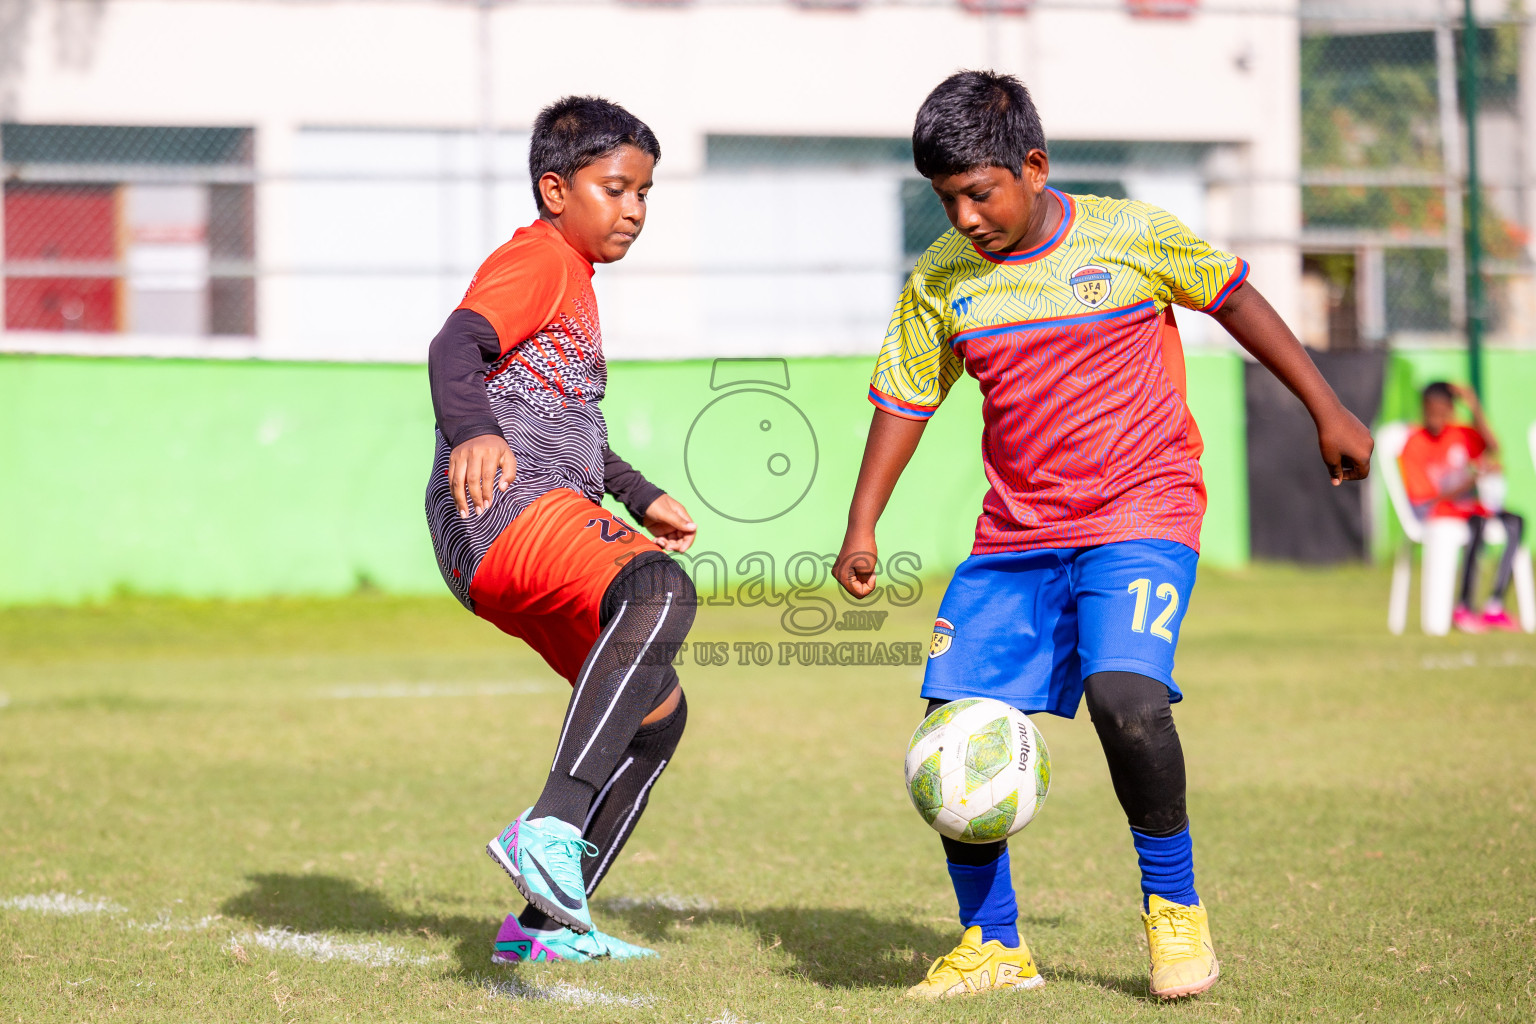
1027,627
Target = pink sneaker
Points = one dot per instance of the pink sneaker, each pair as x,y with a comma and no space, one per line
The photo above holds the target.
514,945
1498,618
1468,621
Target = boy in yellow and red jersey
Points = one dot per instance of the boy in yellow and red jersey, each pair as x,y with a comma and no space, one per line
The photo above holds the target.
522,461
1061,307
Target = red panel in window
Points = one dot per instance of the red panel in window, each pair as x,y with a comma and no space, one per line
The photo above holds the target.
61,304
61,222
1162,8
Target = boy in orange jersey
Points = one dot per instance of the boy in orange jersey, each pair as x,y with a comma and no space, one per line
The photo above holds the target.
522,462
1441,462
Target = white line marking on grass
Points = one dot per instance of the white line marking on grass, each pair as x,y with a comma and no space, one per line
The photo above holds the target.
559,992
323,948
4,700
1470,659
367,691
727,1017
665,901
61,903
163,923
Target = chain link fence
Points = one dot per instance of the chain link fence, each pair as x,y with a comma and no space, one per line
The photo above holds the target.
131,232
127,229
1383,177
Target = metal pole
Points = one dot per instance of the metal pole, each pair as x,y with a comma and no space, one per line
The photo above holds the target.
1476,308
3,112
488,235
1446,72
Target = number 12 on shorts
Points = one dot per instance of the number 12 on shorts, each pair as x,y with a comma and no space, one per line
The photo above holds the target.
1142,588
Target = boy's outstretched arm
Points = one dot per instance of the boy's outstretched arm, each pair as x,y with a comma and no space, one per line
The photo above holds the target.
891,442
1479,421
1345,442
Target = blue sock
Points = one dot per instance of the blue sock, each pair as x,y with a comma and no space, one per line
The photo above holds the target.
986,898
1167,867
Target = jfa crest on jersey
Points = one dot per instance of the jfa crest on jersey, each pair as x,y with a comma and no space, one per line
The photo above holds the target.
1087,437
1090,284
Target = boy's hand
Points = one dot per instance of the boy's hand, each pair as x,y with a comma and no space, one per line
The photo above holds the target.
1467,396
670,524
855,565
1346,445
472,470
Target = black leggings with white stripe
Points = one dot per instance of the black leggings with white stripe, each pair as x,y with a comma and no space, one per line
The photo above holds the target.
617,808
603,748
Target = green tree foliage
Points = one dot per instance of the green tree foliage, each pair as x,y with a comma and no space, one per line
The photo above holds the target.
1369,102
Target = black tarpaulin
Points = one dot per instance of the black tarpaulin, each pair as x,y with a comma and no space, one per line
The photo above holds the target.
1295,514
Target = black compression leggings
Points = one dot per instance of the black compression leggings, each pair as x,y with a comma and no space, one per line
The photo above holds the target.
1134,721
616,810
646,613
1146,760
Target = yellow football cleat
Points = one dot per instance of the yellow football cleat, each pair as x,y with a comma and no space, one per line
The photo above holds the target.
1179,937
976,966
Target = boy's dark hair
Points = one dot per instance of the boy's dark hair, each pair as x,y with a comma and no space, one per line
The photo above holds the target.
1438,389
975,119
577,131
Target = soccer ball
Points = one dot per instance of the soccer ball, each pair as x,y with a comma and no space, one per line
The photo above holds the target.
978,770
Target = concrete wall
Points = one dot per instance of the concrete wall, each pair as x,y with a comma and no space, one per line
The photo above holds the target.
239,479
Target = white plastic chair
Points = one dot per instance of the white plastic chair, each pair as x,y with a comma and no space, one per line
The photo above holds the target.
1530,443
1442,541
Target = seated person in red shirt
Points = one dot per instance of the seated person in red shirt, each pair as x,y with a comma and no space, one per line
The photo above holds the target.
1441,462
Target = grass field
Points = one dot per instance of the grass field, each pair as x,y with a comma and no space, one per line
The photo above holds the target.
276,811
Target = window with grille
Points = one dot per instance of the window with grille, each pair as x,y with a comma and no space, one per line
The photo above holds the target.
129,229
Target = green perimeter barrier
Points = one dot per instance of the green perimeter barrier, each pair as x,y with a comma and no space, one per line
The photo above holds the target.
244,479
1509,381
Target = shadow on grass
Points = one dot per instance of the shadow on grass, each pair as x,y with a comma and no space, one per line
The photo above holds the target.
1135,986
325,903
832,947
1044,920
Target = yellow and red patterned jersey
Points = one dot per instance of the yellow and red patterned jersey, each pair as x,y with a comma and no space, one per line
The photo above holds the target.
1086,435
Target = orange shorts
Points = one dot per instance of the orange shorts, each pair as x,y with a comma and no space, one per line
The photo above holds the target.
544,577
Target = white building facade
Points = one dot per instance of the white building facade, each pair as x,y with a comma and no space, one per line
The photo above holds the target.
297,180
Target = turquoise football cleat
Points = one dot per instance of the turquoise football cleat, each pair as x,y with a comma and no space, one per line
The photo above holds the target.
544,859
612,948
515,944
